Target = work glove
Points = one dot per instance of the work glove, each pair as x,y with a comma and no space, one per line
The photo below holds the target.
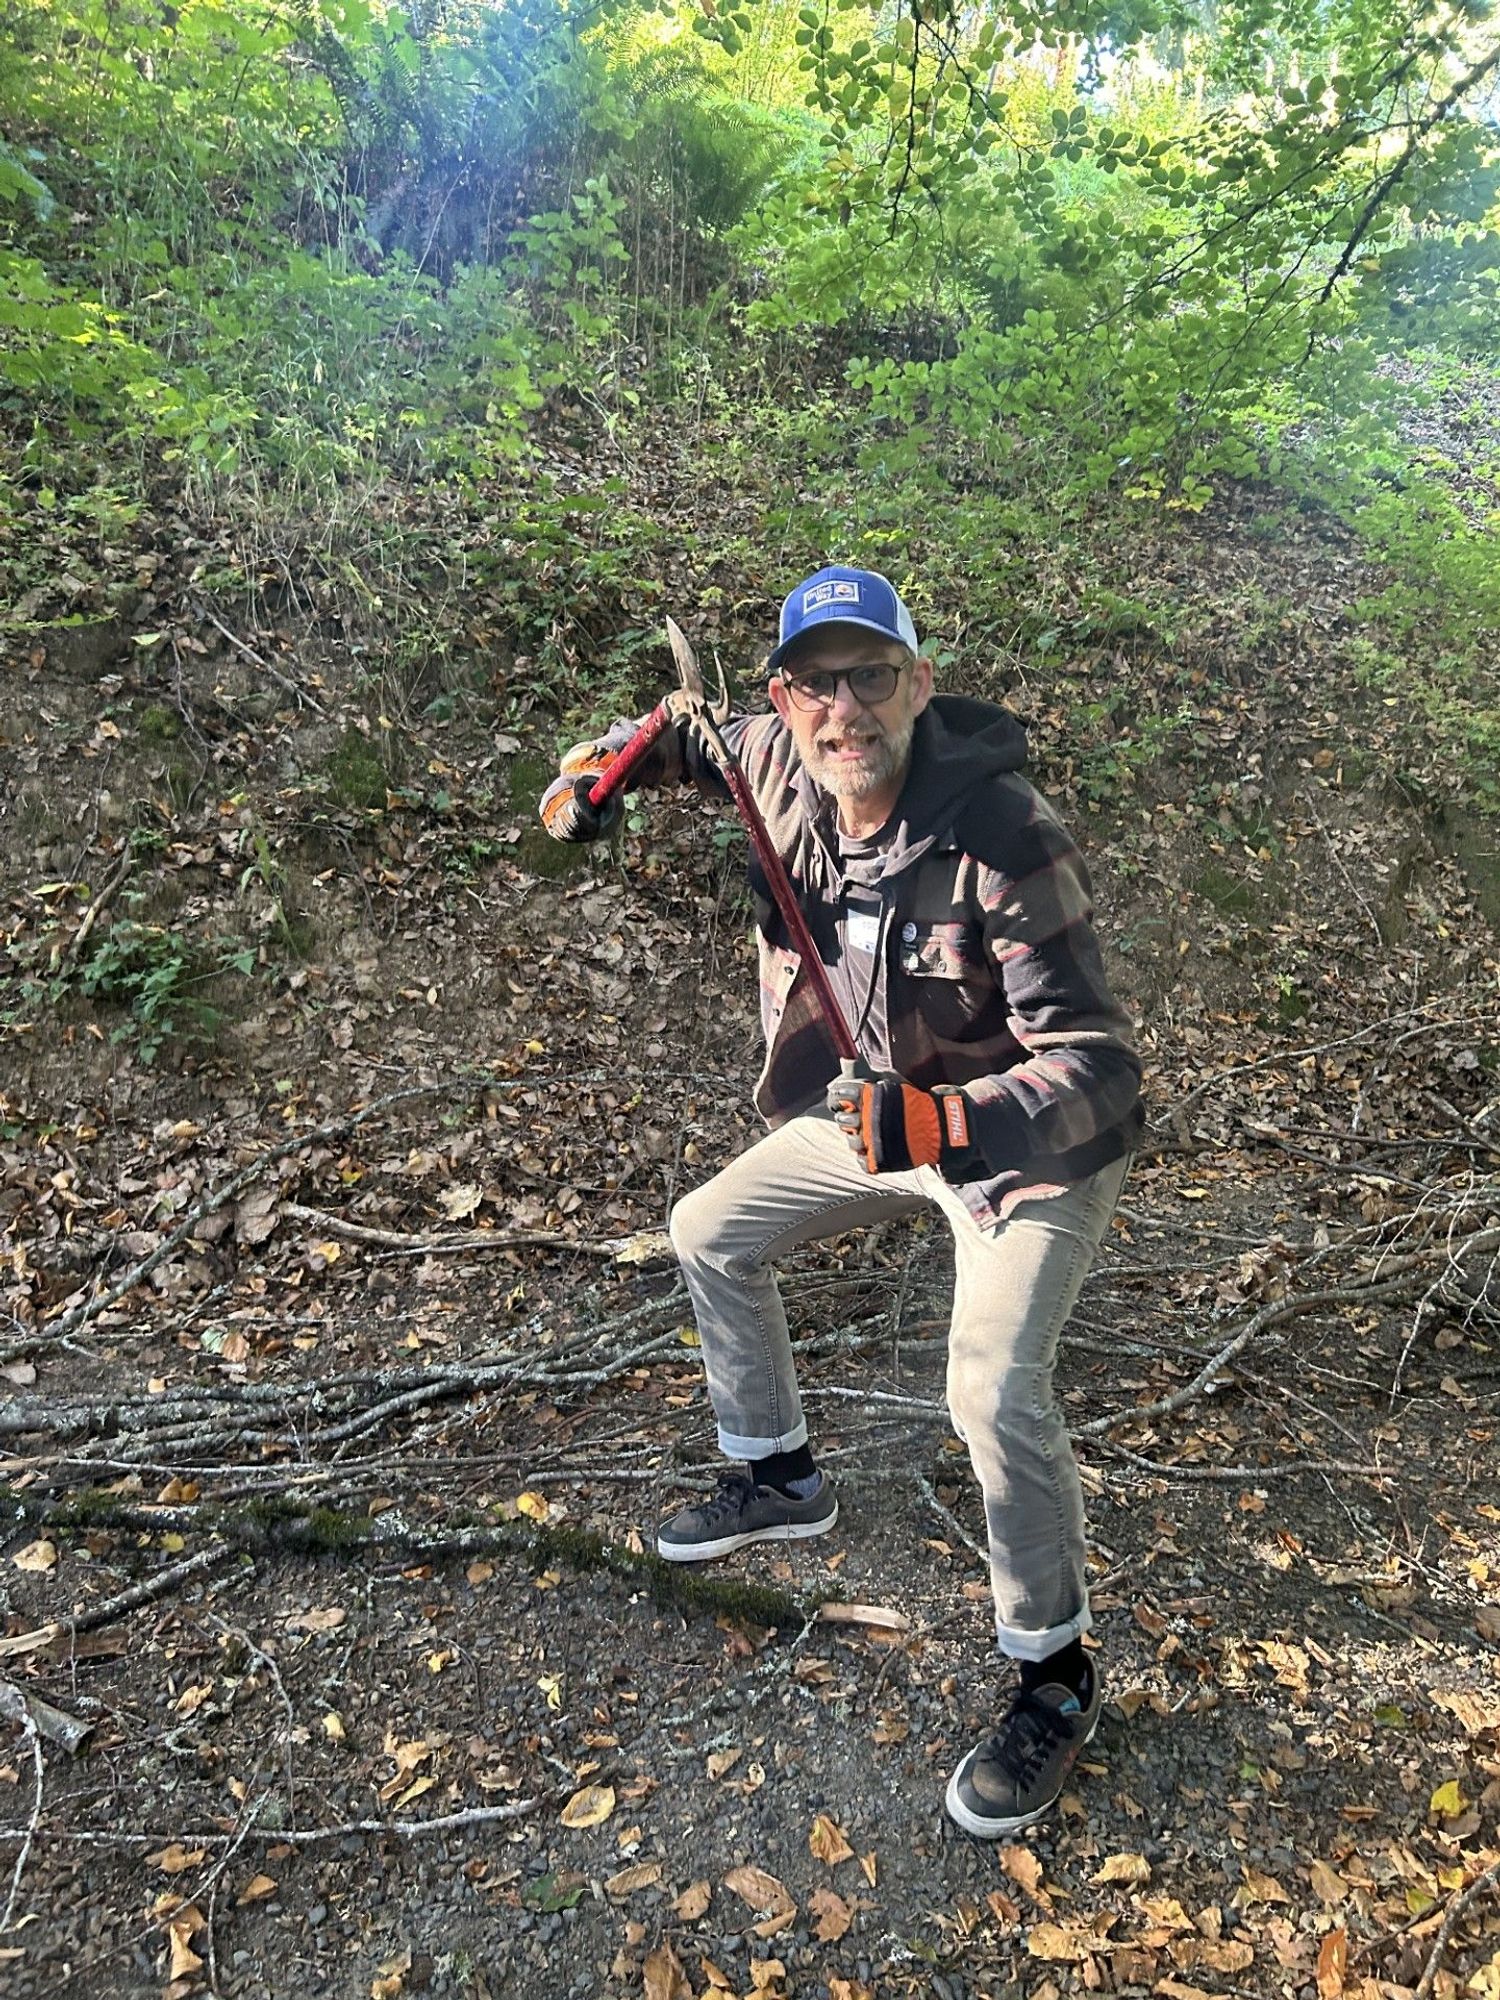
565,809
894,1127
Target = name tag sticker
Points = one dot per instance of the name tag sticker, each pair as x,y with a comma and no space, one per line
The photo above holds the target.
863,931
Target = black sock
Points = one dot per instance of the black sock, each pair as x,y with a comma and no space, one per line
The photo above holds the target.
782,1467
1068,1667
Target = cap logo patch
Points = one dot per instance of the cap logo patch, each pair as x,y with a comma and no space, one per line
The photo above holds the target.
839,591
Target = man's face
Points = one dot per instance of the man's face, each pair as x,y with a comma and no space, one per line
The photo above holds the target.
856,750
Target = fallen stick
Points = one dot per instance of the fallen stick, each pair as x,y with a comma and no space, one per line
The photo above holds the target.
1204,1381
262,1526
68,1732
21,1643
402,1244
63,955
403,1829
1456,1909
28,1836
299,694
1245,1474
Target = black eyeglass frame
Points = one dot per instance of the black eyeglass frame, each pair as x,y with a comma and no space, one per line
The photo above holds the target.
798,685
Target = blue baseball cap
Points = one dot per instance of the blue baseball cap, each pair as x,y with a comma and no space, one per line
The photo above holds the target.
839,595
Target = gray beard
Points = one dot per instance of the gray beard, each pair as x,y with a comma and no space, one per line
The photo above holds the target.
886,760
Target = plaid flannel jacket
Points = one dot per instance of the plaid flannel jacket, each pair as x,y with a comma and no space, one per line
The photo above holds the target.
994,979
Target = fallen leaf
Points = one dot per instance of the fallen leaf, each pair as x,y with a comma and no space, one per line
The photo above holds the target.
333,1727
1022,1866
1061,1946
1220,1955
327,1620
1167,1917
257,1889
1474,1714
1333,1960
665,1978
644,1875
828,1843
532,1505
850,1989
721,1761
1261,1888
590,1806
185,1961
1133,1868
255,1218
192,1699
647,1246
833,1915
1289,1663
868,1867
1448,1800
479,1572
765,1895
766,1974
693,1901
1328,1886
878,1615
406,1756
175,1859
459,1203
36,1556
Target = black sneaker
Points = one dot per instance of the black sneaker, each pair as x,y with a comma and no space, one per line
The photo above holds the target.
1016,1775
742,1512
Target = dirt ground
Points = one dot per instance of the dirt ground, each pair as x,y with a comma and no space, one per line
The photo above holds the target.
347,1377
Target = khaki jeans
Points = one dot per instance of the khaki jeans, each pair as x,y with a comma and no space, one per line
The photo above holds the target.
1015,1284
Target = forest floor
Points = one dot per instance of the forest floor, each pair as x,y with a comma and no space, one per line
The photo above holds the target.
349,1374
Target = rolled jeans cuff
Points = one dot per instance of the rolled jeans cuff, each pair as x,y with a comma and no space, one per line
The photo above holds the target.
1019,1645
734,1446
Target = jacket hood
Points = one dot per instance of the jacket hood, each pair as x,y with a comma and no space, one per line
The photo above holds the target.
958,743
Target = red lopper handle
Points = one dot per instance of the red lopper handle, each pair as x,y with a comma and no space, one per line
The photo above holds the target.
612,778
791,910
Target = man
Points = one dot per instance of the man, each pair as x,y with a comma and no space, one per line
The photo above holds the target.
953,914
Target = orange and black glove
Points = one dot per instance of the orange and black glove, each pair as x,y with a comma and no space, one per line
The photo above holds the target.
565,809
894,1127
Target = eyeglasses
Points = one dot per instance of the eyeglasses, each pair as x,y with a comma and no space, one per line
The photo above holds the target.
869,685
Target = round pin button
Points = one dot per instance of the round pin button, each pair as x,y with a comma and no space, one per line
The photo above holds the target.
908,933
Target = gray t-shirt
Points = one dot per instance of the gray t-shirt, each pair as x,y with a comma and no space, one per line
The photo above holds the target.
858,970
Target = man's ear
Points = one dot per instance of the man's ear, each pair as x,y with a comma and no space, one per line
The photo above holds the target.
921,684
781,701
